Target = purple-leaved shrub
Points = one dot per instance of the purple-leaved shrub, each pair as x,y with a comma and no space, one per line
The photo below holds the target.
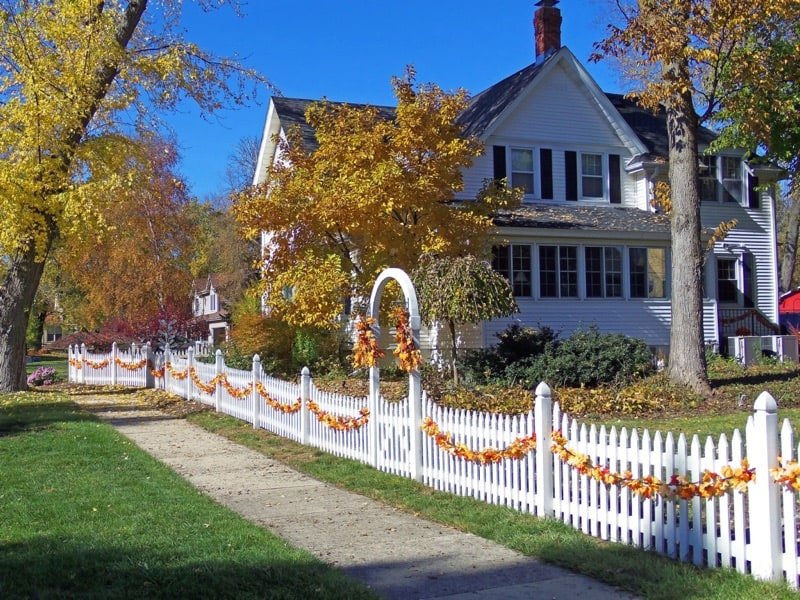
43,376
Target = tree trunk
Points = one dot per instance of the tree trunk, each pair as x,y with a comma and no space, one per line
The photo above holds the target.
789,250
16,300
687,362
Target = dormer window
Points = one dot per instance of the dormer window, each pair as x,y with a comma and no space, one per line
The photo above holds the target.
522,169
592,176
720,179
731,179
212,301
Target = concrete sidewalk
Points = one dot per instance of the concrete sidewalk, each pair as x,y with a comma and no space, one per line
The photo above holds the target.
394,553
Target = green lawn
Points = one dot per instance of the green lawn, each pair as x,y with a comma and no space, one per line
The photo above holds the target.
87,514
58,362
643,573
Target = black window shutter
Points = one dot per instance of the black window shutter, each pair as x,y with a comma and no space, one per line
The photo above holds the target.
499,155
753,194
748,282
614,179
571,173
546,162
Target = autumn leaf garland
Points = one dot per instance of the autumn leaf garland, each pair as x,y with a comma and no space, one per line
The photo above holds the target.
408,355
366,352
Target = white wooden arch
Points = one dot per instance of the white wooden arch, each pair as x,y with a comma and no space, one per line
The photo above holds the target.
414,378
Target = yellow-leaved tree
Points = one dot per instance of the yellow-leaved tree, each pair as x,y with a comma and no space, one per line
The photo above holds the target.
76,78
683,50
377,192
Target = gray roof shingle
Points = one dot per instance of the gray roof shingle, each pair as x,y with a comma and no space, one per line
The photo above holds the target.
583,218
292,111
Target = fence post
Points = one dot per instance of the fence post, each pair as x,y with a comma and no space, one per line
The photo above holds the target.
254,391
415,399
763,505
149,366
189,367
543,425
305,395
167,364
219,367
82,378
372,404
113,365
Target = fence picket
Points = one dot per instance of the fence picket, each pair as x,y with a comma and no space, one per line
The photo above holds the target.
731,530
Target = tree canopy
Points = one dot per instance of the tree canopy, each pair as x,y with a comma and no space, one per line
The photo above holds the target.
460,290
685,49
377,192
77,78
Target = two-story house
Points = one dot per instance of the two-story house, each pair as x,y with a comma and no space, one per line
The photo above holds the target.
207,307
587,247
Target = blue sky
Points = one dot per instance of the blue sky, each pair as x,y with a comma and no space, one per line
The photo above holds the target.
349,50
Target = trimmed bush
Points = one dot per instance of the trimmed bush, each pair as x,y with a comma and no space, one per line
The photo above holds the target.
516,344
586,359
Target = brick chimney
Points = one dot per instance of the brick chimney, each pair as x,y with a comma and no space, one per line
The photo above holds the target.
547,28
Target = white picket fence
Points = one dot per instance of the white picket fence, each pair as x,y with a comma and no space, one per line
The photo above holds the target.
754,532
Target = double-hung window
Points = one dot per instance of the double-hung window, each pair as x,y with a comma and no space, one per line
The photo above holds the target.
603,272
558,271
592,175
727,282
731,179
707,170
522,169
648,272
514,263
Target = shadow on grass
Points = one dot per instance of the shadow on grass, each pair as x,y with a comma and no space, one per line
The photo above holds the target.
754,379
49,567
24,417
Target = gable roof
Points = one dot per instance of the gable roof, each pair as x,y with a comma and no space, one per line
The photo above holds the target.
292,112
652,127
487,106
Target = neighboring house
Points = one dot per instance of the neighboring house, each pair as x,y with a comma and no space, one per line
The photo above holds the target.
789,310
209,307
587,247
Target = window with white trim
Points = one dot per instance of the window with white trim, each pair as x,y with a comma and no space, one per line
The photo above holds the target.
648,272
514,263
707,171
720,179
727,281
522,169
592,175
731,179
603,270
558,271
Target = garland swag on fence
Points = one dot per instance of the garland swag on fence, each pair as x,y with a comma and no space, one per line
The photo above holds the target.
516,450
366,352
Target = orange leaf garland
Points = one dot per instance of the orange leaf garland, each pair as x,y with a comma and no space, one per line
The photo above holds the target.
339,423
365,351
711,485
406,352
131,366
516,450
175,374
279,406
787,474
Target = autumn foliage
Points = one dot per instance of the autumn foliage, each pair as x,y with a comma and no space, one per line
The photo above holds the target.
377,192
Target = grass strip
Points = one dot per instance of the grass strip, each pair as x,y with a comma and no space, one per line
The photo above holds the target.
644,573
87,514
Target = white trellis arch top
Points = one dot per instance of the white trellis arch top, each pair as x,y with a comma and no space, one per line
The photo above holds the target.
414,379
409,292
